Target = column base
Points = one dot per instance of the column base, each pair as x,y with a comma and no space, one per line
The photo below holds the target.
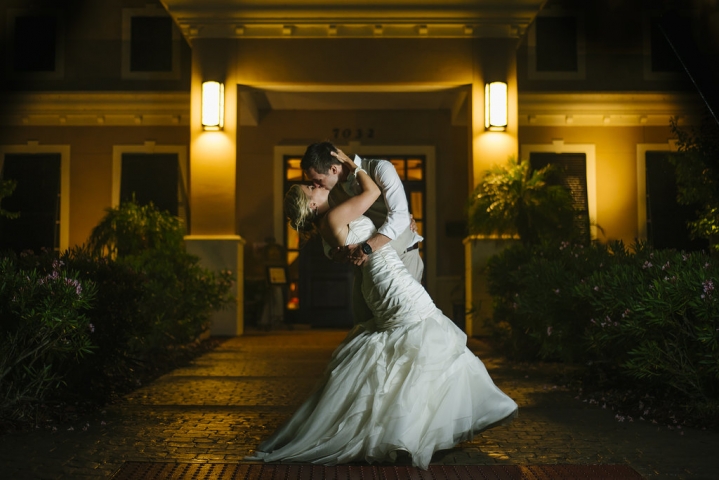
217,253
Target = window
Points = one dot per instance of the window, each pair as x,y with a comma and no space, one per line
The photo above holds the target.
660,61
666,218
573,167
152,178
36,44
36,198
556,47
662,55
152,173
150,45
411,171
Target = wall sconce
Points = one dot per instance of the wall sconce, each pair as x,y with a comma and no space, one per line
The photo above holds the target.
495,106
213,105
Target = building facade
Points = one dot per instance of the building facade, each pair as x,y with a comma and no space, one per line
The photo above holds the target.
103,100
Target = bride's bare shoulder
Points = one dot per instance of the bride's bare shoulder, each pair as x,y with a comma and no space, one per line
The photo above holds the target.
334,233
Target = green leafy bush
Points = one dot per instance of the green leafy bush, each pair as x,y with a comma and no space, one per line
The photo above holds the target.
657,320
44,331
180,295
513,199
640,316
535,307
697,168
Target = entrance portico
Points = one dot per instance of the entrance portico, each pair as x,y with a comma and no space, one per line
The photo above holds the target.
319,57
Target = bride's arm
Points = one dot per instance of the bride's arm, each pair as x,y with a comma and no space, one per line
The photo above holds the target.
342,214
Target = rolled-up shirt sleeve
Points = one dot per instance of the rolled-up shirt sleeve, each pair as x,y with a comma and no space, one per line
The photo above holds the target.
397,209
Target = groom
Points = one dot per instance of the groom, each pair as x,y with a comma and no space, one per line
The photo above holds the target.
390,213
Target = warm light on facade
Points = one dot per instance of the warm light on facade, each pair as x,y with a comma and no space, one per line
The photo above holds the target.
495,106
213,105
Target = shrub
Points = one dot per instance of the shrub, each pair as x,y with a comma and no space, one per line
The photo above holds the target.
657,319
646,317
44,331
697,168
513,199
180,294
535,306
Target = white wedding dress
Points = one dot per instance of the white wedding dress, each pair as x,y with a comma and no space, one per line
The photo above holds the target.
404,380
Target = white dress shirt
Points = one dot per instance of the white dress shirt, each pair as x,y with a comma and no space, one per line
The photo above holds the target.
393,191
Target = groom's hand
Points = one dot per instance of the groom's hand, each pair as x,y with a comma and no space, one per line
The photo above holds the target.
355,255
339,254
412,224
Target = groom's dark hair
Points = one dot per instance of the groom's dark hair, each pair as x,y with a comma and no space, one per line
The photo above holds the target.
319,158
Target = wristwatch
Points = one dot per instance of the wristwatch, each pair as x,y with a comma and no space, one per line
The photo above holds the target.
366,248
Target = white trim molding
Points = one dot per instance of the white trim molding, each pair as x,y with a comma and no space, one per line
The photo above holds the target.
34,147
152,148
138,109
366,19
589,150
608,109
428,151
642,149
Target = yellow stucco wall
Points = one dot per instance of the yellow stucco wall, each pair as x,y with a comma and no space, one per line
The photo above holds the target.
616,169
91,163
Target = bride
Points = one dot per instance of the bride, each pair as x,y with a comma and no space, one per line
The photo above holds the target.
404,381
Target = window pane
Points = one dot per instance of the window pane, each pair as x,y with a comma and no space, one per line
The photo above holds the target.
294,172
151,178
151,44
292,257
416,205
399,166
34,43
663,57
36,198
293,238
414,169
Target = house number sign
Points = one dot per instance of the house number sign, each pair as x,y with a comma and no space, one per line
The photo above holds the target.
352,133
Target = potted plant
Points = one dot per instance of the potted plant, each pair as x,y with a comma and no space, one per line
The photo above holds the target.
514,200
511,203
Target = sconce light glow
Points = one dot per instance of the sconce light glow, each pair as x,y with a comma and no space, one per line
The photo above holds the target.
495,106
213,105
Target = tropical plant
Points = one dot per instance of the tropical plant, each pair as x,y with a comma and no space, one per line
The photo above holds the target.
132,229
697,167
514,199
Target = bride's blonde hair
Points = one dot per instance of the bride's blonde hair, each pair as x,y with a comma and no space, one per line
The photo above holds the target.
298,211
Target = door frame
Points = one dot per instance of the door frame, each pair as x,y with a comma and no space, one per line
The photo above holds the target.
428,151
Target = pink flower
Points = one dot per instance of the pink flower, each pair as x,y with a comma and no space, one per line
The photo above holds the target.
549,331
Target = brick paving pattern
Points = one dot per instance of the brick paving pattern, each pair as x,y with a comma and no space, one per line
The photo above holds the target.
219,408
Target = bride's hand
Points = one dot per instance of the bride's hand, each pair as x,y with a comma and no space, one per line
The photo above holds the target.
343,158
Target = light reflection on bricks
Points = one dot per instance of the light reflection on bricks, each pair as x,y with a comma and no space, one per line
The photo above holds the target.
219,408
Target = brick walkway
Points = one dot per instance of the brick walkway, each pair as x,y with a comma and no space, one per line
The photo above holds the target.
219,408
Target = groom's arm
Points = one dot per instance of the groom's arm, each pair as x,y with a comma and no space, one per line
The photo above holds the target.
398,218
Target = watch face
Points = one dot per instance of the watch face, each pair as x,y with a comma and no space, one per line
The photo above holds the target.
366,248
